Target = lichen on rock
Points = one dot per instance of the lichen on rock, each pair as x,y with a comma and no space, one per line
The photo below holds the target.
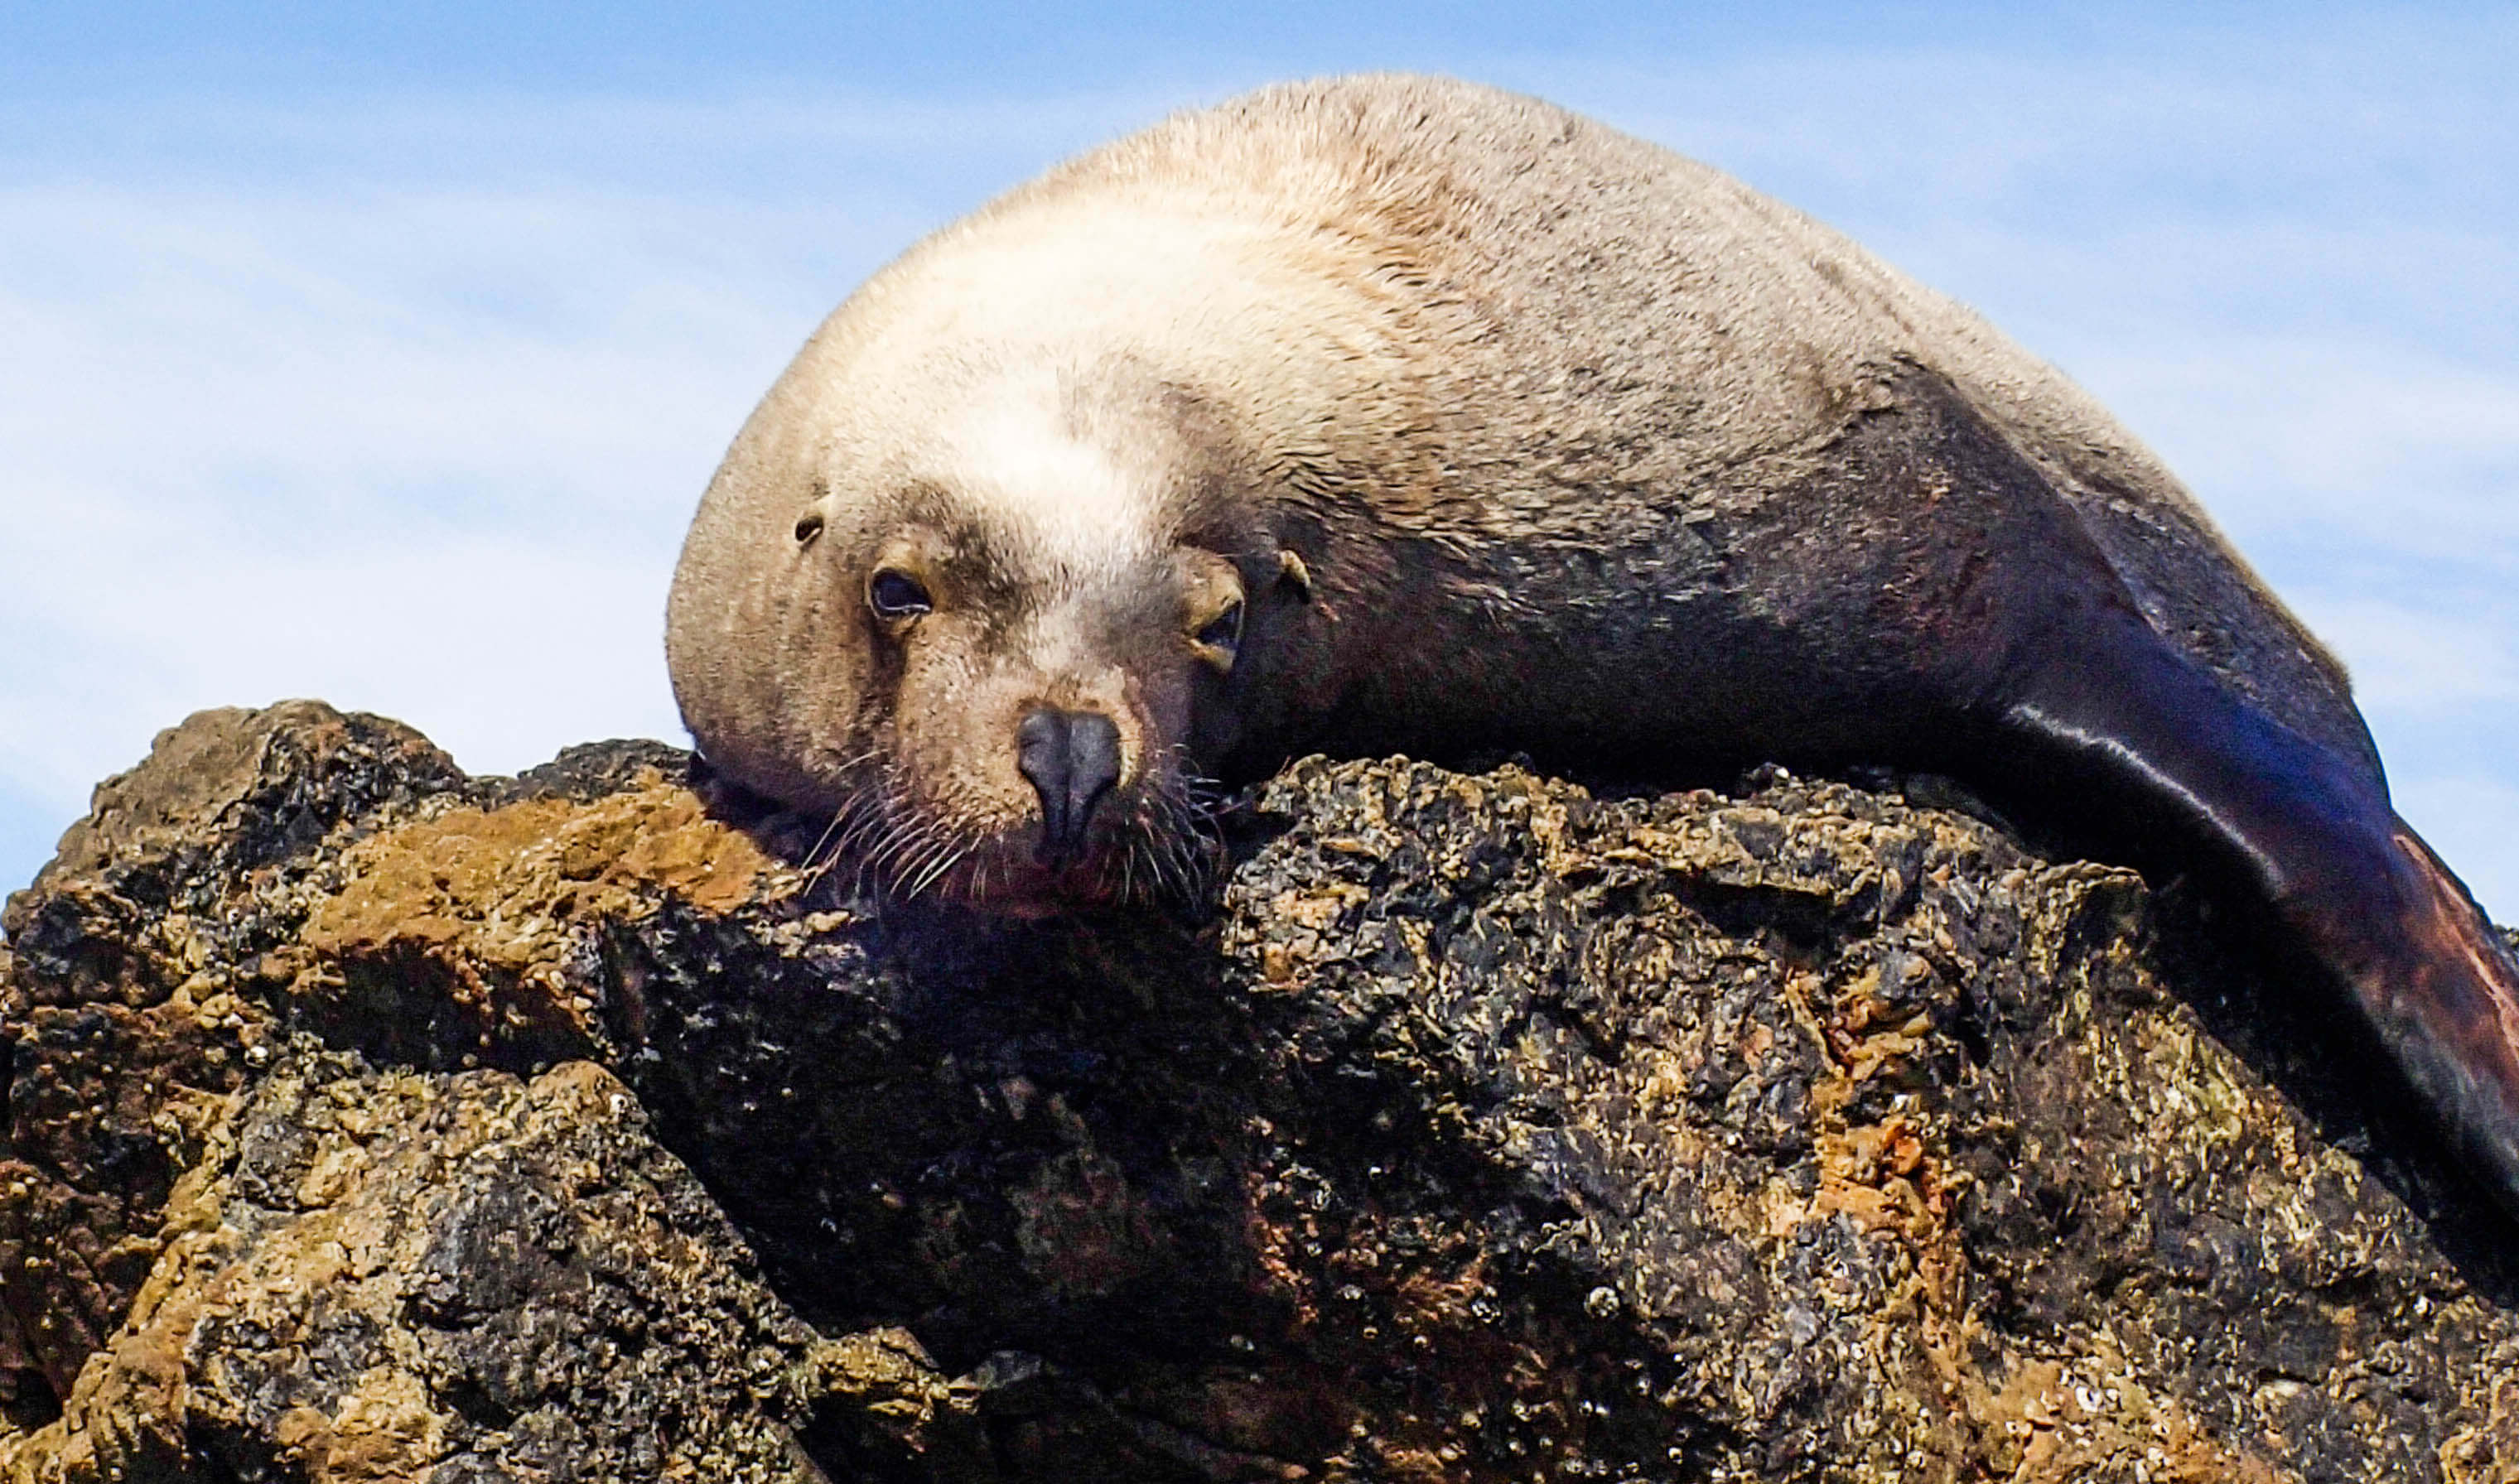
364,1120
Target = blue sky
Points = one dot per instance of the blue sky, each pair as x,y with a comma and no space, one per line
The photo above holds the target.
381,358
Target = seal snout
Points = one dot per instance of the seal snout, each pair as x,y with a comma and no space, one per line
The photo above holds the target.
1072,758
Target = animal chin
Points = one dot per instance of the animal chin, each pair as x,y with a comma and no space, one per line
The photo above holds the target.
1018,881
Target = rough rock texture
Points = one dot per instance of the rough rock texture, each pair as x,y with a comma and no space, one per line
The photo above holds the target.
364,1121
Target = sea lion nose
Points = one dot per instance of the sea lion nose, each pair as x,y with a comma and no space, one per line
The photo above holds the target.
1072,758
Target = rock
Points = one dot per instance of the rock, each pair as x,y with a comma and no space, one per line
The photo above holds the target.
368,1122
455,1275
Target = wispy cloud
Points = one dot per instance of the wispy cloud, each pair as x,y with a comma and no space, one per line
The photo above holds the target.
428,453
2421,661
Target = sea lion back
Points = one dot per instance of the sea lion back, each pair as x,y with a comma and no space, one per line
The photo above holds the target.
1628,331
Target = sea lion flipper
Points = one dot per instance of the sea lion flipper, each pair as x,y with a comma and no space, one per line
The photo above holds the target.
2318,841
2461,1007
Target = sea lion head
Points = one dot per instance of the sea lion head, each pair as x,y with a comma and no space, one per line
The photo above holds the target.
988,610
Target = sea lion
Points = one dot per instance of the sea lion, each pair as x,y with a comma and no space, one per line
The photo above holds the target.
1393,414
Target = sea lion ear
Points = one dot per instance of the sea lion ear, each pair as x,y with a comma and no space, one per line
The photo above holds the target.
813,518
1292,572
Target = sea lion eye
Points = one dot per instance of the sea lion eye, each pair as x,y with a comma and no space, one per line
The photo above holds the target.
1221,639
896,595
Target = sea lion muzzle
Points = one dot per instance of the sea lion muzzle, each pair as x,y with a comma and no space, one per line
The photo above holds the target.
1072,758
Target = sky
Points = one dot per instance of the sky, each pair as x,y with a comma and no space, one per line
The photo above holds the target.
381,358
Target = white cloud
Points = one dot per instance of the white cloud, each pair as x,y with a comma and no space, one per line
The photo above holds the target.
270,448
502,648
2340,441
371,347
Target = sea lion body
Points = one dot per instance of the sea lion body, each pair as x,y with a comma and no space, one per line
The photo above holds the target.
1394,414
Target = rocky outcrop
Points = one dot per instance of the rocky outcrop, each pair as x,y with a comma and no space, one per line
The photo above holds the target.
367,1121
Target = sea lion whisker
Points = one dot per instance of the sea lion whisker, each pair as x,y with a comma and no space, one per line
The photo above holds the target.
945,863
859,838
896,845
850,821
819,841
913,832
